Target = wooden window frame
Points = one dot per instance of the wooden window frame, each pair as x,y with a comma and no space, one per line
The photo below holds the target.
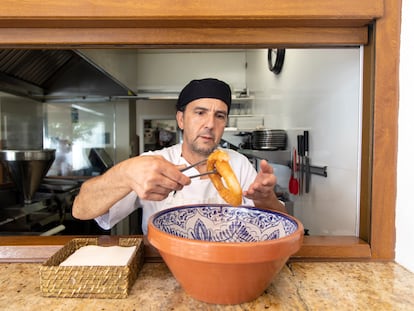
230,24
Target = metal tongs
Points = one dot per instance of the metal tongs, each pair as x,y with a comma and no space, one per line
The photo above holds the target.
198,175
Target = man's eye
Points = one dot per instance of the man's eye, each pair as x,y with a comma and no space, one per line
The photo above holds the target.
221,116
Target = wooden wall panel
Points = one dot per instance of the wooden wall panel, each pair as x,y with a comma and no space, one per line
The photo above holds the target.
385,140
182,37
187,12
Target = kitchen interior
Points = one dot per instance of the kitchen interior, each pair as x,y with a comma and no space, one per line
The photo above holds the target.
97,107
346,271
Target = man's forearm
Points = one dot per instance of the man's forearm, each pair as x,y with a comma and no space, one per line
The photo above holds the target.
97,195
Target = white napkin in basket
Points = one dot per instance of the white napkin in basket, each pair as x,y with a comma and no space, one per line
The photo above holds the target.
93,255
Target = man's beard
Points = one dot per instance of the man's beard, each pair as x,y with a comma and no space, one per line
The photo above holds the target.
202,150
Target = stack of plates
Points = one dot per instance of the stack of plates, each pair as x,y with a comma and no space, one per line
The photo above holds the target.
269,139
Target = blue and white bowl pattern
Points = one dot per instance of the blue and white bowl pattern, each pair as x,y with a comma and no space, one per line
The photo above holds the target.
222,223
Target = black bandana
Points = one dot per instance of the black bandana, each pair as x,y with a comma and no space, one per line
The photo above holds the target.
204,88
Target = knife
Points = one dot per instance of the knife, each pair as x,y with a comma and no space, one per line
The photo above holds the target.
301,163
307,164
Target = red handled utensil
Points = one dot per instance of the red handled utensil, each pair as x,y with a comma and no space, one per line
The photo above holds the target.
293,182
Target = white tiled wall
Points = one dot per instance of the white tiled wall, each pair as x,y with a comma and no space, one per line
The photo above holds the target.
317,90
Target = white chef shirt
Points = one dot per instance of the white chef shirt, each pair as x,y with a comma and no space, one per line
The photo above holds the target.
200,191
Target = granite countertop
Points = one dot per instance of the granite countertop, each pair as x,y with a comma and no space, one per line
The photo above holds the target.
299,286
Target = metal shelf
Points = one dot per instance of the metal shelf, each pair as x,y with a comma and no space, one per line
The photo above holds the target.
282,157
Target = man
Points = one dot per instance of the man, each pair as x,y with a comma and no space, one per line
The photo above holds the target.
154,179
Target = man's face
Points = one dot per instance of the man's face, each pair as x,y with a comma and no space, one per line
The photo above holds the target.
203,123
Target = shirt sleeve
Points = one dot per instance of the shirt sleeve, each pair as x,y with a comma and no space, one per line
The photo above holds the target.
118,211
131,202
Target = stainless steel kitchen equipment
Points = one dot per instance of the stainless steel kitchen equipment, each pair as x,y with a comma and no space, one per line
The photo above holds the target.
35,205
56,76
269,139
27,168
282,157
301,153
49,213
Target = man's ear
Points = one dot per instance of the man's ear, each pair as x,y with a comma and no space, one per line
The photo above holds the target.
180,119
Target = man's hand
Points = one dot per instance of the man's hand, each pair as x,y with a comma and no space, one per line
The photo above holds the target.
261,191
153,177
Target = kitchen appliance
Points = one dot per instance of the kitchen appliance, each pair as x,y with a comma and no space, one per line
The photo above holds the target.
34,205
49,213
100,160
56,76
27,168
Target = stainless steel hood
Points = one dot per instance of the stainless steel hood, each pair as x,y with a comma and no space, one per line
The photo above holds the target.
56,76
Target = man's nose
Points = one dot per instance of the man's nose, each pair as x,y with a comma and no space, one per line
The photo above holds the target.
210,119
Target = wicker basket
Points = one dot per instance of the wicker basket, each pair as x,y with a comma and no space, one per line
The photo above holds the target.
90,281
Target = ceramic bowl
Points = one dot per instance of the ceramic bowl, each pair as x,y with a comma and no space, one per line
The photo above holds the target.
222,254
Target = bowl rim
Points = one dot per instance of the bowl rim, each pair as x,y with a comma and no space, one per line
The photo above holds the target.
239,251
